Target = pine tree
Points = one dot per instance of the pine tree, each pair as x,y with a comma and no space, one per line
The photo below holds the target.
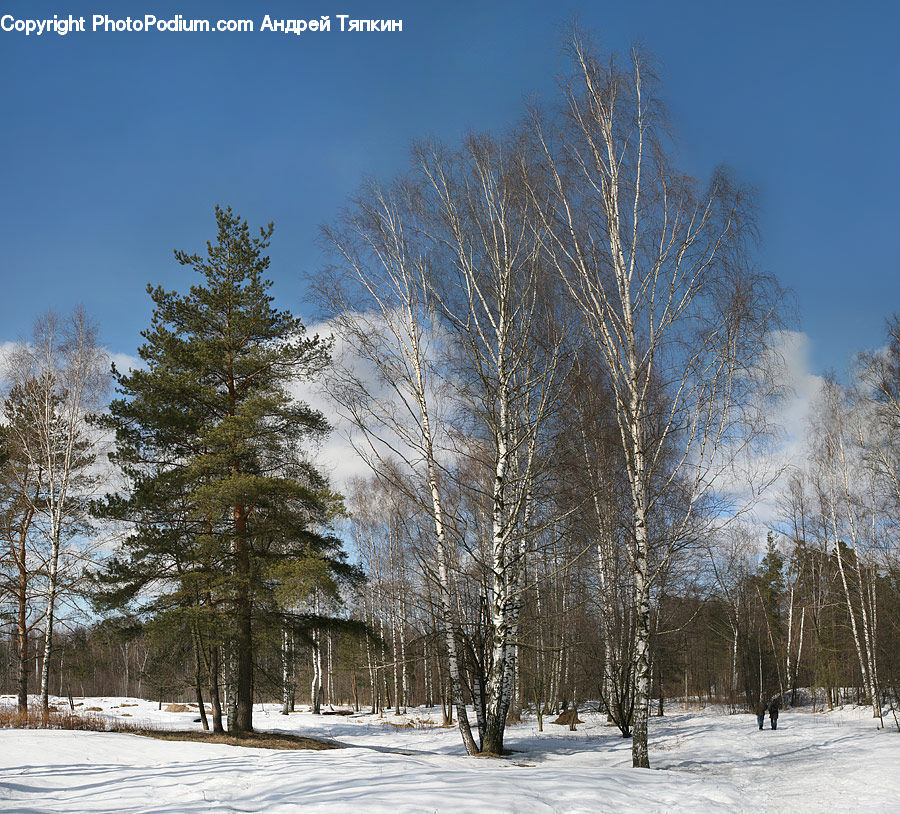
223,501
771,581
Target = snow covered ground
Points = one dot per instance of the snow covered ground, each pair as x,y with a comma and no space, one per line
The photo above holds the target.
702,762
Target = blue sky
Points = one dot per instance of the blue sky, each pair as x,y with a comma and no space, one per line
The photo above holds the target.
117,146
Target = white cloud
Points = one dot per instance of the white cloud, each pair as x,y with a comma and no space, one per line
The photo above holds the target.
341,456
125,362
802,388
336,456
6,352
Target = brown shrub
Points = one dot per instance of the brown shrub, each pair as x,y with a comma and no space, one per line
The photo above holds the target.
566,718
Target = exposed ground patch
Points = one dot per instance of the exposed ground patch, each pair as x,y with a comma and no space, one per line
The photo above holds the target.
258,740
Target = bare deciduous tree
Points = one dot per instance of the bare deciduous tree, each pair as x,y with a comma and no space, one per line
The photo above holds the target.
495,297
67,373
377,297
21,484
658,268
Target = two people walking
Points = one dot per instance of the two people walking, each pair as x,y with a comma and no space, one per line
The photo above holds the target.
771,708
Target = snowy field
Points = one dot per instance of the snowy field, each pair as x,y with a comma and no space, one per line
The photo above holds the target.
702,762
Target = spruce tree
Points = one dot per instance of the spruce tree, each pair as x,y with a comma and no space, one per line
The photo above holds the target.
771,582
222,500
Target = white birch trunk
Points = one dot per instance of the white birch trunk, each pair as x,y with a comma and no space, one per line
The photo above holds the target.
329,684
370,620
315,682
787,656
404,668
287,673
426,669
443,556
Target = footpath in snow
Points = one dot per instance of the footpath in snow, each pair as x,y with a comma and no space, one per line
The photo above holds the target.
703,762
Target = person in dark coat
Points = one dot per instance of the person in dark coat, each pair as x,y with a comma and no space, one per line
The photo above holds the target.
761,708
773,713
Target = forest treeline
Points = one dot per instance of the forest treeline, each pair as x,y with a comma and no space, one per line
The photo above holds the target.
557,357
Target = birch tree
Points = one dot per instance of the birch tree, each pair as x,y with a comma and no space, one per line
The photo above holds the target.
852,512
496,302
377,297
21,484
67,372
658,267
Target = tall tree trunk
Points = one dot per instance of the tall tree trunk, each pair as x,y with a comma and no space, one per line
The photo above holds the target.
243,721
503,556
449,619
22,639
198,681
851,612
639,754
787,657
214,694
868,637
231,695
287,672
329,663
48,626
315,689
864,662
395,657
373,675
404,669
640,758
734,660
797,660
426,668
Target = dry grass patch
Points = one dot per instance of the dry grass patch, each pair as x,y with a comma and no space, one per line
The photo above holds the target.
178,708
34,718
258,740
